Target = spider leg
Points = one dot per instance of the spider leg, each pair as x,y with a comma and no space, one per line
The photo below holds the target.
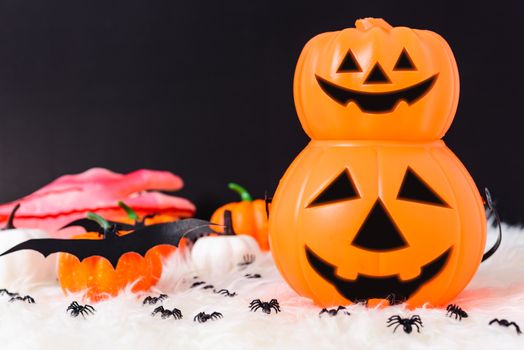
494,320
394,329
418,328
516,327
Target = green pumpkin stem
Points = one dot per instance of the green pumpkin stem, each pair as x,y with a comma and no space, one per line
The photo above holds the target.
100,220
129,211
244,194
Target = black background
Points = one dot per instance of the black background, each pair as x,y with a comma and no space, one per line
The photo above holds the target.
204,89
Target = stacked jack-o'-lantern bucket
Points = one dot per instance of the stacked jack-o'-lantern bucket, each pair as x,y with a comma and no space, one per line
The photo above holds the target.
376,208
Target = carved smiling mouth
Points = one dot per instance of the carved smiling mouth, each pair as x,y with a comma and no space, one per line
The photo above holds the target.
366,287
376,102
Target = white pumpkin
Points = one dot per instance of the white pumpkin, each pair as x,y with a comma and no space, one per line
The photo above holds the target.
26,268
223,254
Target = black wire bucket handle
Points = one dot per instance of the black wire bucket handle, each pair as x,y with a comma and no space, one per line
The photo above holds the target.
492,211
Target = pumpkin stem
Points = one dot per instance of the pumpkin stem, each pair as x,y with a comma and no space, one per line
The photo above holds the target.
129,211
99,220
228,224
370,22
244,194
9,225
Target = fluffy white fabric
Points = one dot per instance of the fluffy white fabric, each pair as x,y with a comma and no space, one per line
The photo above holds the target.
497,291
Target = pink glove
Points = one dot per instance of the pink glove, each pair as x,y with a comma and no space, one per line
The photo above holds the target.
98,190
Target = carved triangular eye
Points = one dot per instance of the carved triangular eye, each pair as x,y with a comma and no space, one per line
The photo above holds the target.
415,189
349,64
404,62
340,189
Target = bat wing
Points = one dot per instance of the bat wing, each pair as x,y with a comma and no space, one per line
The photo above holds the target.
92,226
81,248
141,240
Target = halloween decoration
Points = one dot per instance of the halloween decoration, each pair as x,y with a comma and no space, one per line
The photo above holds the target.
27,298
222,254
376,82
406,323
23,268
266,306
153,300
506,323
225,293
252,275
112,246
202,317
75,309
455,310
17,297
249,216
166,313
98,190
376,207
334,312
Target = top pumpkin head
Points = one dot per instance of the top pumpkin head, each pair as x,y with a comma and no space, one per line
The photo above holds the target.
376,82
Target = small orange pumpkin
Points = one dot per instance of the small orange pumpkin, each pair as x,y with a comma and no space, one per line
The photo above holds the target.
99,279
249,216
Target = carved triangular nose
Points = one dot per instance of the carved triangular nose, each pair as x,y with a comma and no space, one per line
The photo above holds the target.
379,232
377,76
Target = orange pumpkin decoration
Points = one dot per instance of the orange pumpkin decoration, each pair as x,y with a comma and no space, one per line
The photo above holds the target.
379,217
249,216
99,279
376,82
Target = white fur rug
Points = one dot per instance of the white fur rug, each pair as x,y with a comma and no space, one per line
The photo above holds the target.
497,291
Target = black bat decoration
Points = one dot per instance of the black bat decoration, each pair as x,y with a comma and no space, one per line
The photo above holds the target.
112,246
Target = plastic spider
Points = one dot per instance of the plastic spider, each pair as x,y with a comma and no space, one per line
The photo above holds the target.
166,313
247,259
225,293
27,298
208,286
252,275
202,317
406,323
334,312
77,309
457,311
153,300
506,323
265,306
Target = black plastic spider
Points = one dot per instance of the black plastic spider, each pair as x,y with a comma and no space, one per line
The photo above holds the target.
333,312
27,298
166,313
197,283
202,317
153,300
406,323
265,306
77,309
457,311
247,259
252,275
506,323
208,286
225,293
